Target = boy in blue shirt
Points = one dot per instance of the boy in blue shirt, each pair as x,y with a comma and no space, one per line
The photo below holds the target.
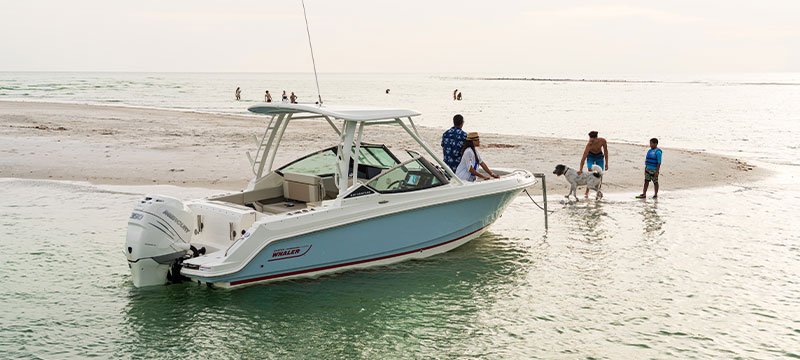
452,141
652,167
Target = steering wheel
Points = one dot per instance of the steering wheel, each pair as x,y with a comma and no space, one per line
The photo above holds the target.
401,182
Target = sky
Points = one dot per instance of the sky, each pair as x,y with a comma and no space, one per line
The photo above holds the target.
476,37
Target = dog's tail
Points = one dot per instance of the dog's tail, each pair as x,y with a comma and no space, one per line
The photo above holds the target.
597,171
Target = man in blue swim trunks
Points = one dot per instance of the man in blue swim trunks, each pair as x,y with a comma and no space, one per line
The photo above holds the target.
652,166
596,152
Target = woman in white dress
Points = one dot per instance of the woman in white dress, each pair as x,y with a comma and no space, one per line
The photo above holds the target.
470,159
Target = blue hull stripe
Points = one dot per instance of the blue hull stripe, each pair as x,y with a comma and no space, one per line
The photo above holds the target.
240,282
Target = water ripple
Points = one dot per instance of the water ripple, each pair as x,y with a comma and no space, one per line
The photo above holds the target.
617,279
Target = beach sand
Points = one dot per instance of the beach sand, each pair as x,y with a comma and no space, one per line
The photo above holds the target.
135,146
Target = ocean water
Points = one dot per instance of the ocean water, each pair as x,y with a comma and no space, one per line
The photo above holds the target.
704,273
749,115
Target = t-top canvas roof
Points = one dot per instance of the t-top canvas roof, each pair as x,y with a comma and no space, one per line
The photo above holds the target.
338,112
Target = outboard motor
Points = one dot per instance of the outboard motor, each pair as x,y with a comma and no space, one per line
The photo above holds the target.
159,231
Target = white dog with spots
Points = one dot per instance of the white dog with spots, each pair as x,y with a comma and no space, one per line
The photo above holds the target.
592,179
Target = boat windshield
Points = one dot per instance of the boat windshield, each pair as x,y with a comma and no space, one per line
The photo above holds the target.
415,174
372,159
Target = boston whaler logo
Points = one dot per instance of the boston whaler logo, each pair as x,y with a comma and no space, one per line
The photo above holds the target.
291,252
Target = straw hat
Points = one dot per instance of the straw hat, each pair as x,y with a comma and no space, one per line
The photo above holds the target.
472,136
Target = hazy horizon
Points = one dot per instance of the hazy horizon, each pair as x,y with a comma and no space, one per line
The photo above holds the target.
359,36
532,74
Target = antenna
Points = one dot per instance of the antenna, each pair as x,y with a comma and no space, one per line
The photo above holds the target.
313,63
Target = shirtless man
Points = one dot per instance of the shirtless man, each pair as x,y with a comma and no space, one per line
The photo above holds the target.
596,152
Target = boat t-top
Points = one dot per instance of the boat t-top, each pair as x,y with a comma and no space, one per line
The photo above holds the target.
350,206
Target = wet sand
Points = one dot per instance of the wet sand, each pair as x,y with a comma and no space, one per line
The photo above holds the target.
135,146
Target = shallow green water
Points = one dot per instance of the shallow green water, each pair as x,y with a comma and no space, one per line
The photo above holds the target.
712,273
700,274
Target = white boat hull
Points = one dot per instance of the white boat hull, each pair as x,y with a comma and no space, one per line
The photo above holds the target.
378,241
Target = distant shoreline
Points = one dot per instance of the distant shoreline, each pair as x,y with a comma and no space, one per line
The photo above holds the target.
578,80
621,81
122,145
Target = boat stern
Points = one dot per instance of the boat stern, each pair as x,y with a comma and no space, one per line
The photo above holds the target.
158,237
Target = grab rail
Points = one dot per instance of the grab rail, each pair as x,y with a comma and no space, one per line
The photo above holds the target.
260,143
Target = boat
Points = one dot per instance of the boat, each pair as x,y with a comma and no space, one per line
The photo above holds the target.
350,206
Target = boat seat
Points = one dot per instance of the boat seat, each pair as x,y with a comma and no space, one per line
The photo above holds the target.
303,187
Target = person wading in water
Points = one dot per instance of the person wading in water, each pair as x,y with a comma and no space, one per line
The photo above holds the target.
596,152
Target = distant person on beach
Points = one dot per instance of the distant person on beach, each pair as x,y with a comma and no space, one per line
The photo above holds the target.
293,98
267,97
459,96
284,98
470,159
652,166
452,141
455,92
596,152
238,93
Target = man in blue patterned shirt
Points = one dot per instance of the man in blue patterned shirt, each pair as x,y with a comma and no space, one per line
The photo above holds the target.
452,141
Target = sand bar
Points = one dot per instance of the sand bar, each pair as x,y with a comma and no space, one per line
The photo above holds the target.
135,146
